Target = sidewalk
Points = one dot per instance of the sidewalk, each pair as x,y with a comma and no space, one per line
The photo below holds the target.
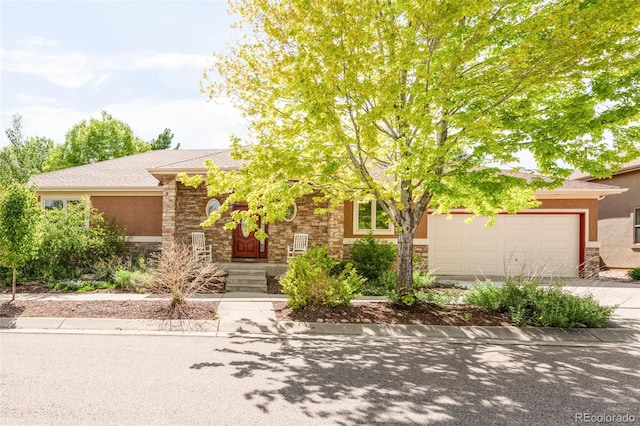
252,314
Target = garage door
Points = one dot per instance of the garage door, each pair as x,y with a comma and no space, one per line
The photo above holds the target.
541,244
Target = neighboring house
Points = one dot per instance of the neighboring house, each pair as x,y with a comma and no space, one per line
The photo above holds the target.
619,218
141,192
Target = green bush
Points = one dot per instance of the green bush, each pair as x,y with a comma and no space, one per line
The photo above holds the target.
309,281
439,298
74,239
635,274
381,287
529,303
420,293
372,257
80,286
125,278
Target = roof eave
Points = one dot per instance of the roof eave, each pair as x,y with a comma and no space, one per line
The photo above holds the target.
42,190
168,171
578,193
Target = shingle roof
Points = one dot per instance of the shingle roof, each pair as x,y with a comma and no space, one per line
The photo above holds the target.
569,185
131,171
627,167
137,171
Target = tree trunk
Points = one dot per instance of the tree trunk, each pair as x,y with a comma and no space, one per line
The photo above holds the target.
13,286
404,283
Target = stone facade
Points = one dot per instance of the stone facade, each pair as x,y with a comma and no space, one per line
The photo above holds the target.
190,211
191,205
591,266
138,249
168,209
305,222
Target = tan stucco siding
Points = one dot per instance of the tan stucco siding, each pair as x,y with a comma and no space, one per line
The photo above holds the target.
142,215
616,222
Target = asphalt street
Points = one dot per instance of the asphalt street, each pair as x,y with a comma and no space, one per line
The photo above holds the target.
57,378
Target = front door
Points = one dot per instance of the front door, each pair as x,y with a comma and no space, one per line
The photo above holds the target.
245,244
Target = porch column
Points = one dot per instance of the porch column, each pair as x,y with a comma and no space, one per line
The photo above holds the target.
591,266
335,244
169,188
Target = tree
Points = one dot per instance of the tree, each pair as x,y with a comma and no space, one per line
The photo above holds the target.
163,141
23,157
20,222
424,104
95,140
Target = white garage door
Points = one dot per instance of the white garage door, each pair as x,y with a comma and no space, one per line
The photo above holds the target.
541,244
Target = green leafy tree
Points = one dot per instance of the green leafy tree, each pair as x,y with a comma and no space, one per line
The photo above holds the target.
24,156
95,140
163,141
424,104
20,222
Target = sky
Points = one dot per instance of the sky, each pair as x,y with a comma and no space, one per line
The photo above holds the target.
142,61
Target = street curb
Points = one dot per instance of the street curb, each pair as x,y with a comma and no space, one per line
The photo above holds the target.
247,328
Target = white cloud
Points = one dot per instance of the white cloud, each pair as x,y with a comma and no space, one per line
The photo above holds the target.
194,122
76,69
167,60
70,69
32,42
44,120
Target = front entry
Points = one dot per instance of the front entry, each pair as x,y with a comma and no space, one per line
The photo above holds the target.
245,244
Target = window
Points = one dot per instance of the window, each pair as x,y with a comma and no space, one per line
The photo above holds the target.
212,206
292,210
636,227
369,216
50,203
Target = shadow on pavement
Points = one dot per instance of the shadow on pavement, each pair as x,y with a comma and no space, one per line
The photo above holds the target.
385,381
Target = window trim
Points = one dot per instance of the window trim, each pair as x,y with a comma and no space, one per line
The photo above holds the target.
295,213
358,231
209,203
65,201
636,225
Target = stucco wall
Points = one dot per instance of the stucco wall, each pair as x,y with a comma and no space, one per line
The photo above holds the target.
615,226
142,215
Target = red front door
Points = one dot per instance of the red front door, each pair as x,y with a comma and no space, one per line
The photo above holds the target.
246,245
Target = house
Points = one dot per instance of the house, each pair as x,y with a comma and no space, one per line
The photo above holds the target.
619,218
142,193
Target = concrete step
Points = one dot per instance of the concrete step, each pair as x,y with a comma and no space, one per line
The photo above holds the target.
247,288
248,272
247,281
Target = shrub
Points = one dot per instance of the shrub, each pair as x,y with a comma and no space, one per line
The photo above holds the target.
528,302
309,281
382,287
125,278
421,281
438,298
635,274
69,247
176,272
372,257
80,286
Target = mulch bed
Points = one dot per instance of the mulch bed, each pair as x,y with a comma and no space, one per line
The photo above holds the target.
388,313
357,312
158,310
